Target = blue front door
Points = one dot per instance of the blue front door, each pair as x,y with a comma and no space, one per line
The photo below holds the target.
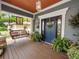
50,31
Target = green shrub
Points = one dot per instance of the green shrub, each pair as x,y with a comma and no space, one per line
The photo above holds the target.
36,36
73,52
3,28
61,45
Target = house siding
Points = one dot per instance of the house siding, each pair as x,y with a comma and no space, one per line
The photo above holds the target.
10,9
73,9
0,5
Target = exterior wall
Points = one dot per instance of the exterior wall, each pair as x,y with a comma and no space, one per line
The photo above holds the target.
56,13
73,9
0,5
35,22
16,11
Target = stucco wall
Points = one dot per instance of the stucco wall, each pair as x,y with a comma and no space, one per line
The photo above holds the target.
73,9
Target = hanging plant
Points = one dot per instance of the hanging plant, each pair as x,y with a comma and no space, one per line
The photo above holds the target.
50,23
74,21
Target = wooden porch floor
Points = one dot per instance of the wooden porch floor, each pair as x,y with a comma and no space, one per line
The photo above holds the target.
31,50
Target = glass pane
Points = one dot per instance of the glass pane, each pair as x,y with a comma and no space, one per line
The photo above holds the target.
59,27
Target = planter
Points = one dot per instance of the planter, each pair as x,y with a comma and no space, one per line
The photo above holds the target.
2,51
2,45
36,36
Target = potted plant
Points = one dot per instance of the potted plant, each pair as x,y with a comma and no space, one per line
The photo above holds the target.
36,36
2,44
61,44
2,49
73,53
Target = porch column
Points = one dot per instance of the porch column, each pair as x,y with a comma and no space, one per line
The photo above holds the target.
33,23
63,26
39,25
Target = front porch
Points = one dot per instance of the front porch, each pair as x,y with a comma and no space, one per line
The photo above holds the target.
31,50
38,29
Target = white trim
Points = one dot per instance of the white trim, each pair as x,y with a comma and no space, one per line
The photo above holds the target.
55,13
5,3
54,5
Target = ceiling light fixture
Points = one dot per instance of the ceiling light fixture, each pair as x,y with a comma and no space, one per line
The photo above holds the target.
38,5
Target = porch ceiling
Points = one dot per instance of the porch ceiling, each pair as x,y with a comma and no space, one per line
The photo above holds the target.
30,4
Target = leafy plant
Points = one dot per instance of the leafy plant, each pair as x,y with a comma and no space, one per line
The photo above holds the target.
74,21
3,27
50,23
73,52
2,24
61,44
36,36
7,18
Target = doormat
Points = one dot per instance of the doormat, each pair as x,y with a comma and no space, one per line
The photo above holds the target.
44,46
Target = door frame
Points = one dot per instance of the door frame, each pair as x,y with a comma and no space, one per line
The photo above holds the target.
53,14
44,20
